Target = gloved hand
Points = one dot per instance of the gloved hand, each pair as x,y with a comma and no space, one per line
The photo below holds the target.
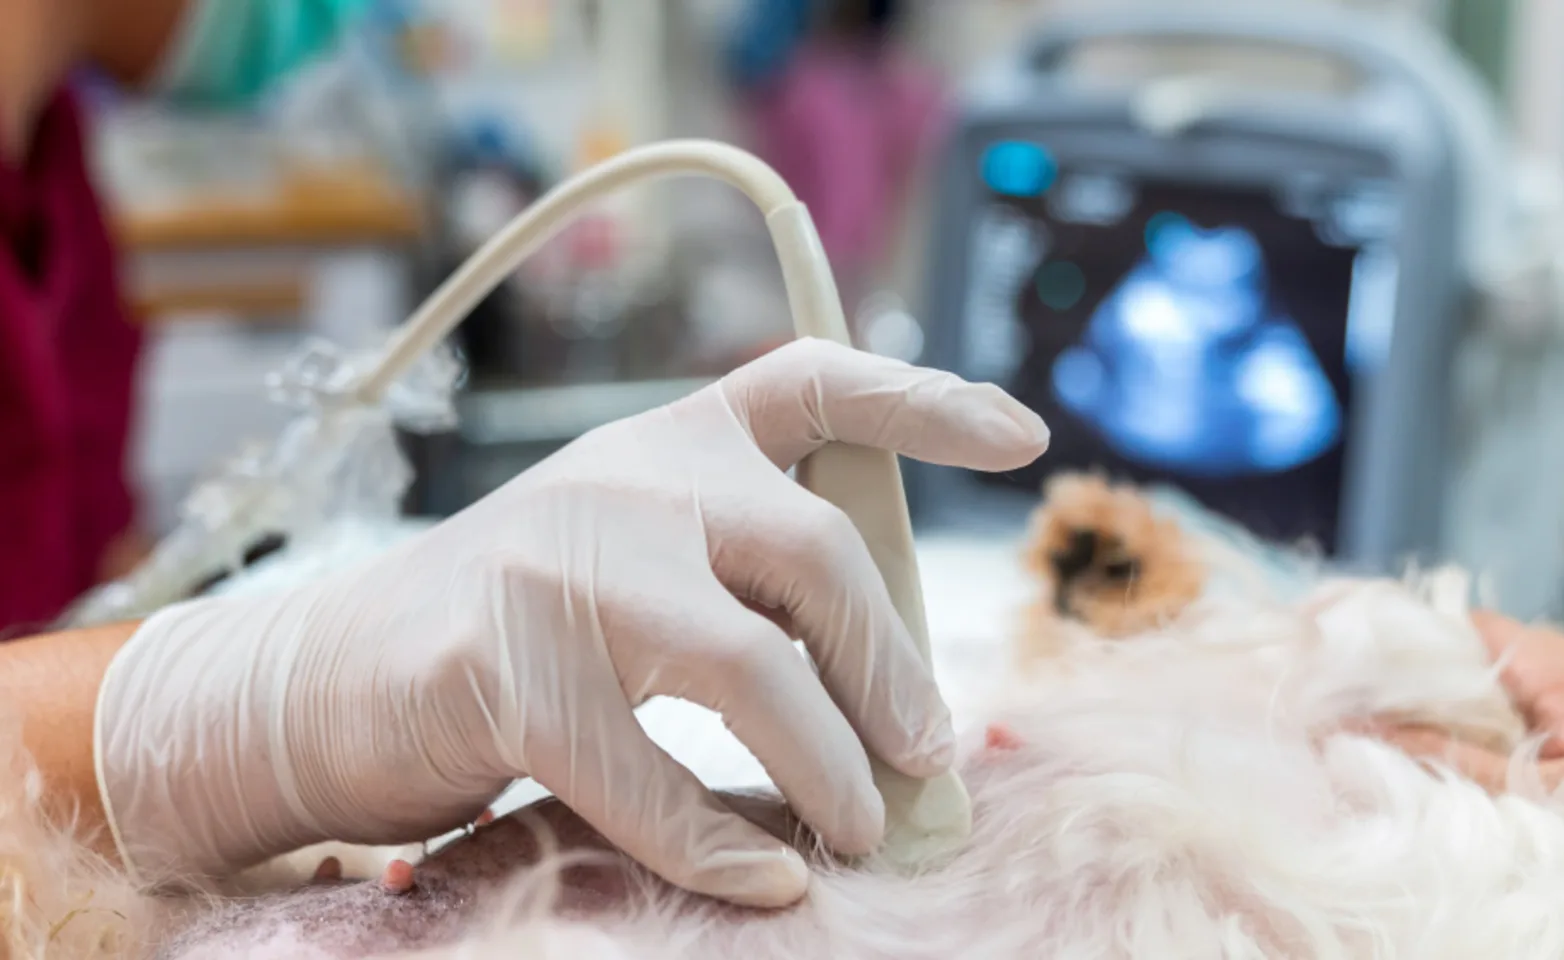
666,554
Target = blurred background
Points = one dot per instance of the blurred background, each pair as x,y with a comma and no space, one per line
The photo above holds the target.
1299,260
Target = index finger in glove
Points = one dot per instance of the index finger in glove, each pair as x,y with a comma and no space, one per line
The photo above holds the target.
799,397
790,551
744,667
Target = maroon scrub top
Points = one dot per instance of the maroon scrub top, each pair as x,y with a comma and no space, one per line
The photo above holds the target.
67,368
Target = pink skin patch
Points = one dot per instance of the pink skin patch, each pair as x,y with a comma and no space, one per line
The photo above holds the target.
1000,737
329,871
398,877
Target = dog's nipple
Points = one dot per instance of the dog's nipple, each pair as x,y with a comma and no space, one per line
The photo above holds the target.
1000,737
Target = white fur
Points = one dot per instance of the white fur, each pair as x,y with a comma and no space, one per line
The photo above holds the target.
1188,793
1191,794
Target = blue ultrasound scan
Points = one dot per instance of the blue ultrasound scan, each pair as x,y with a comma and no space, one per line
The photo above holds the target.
1186,364
1196,333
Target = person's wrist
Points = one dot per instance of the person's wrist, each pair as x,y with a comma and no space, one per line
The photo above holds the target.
189,741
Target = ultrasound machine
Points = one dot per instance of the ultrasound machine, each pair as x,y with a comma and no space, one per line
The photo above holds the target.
1247,290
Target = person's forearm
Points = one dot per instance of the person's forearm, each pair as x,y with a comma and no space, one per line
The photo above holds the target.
50,683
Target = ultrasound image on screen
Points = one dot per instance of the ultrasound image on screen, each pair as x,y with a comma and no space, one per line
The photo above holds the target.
1188,334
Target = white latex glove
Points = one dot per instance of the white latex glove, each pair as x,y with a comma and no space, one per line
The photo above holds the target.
393,702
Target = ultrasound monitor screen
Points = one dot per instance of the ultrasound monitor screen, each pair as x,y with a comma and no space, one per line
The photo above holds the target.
1201,335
